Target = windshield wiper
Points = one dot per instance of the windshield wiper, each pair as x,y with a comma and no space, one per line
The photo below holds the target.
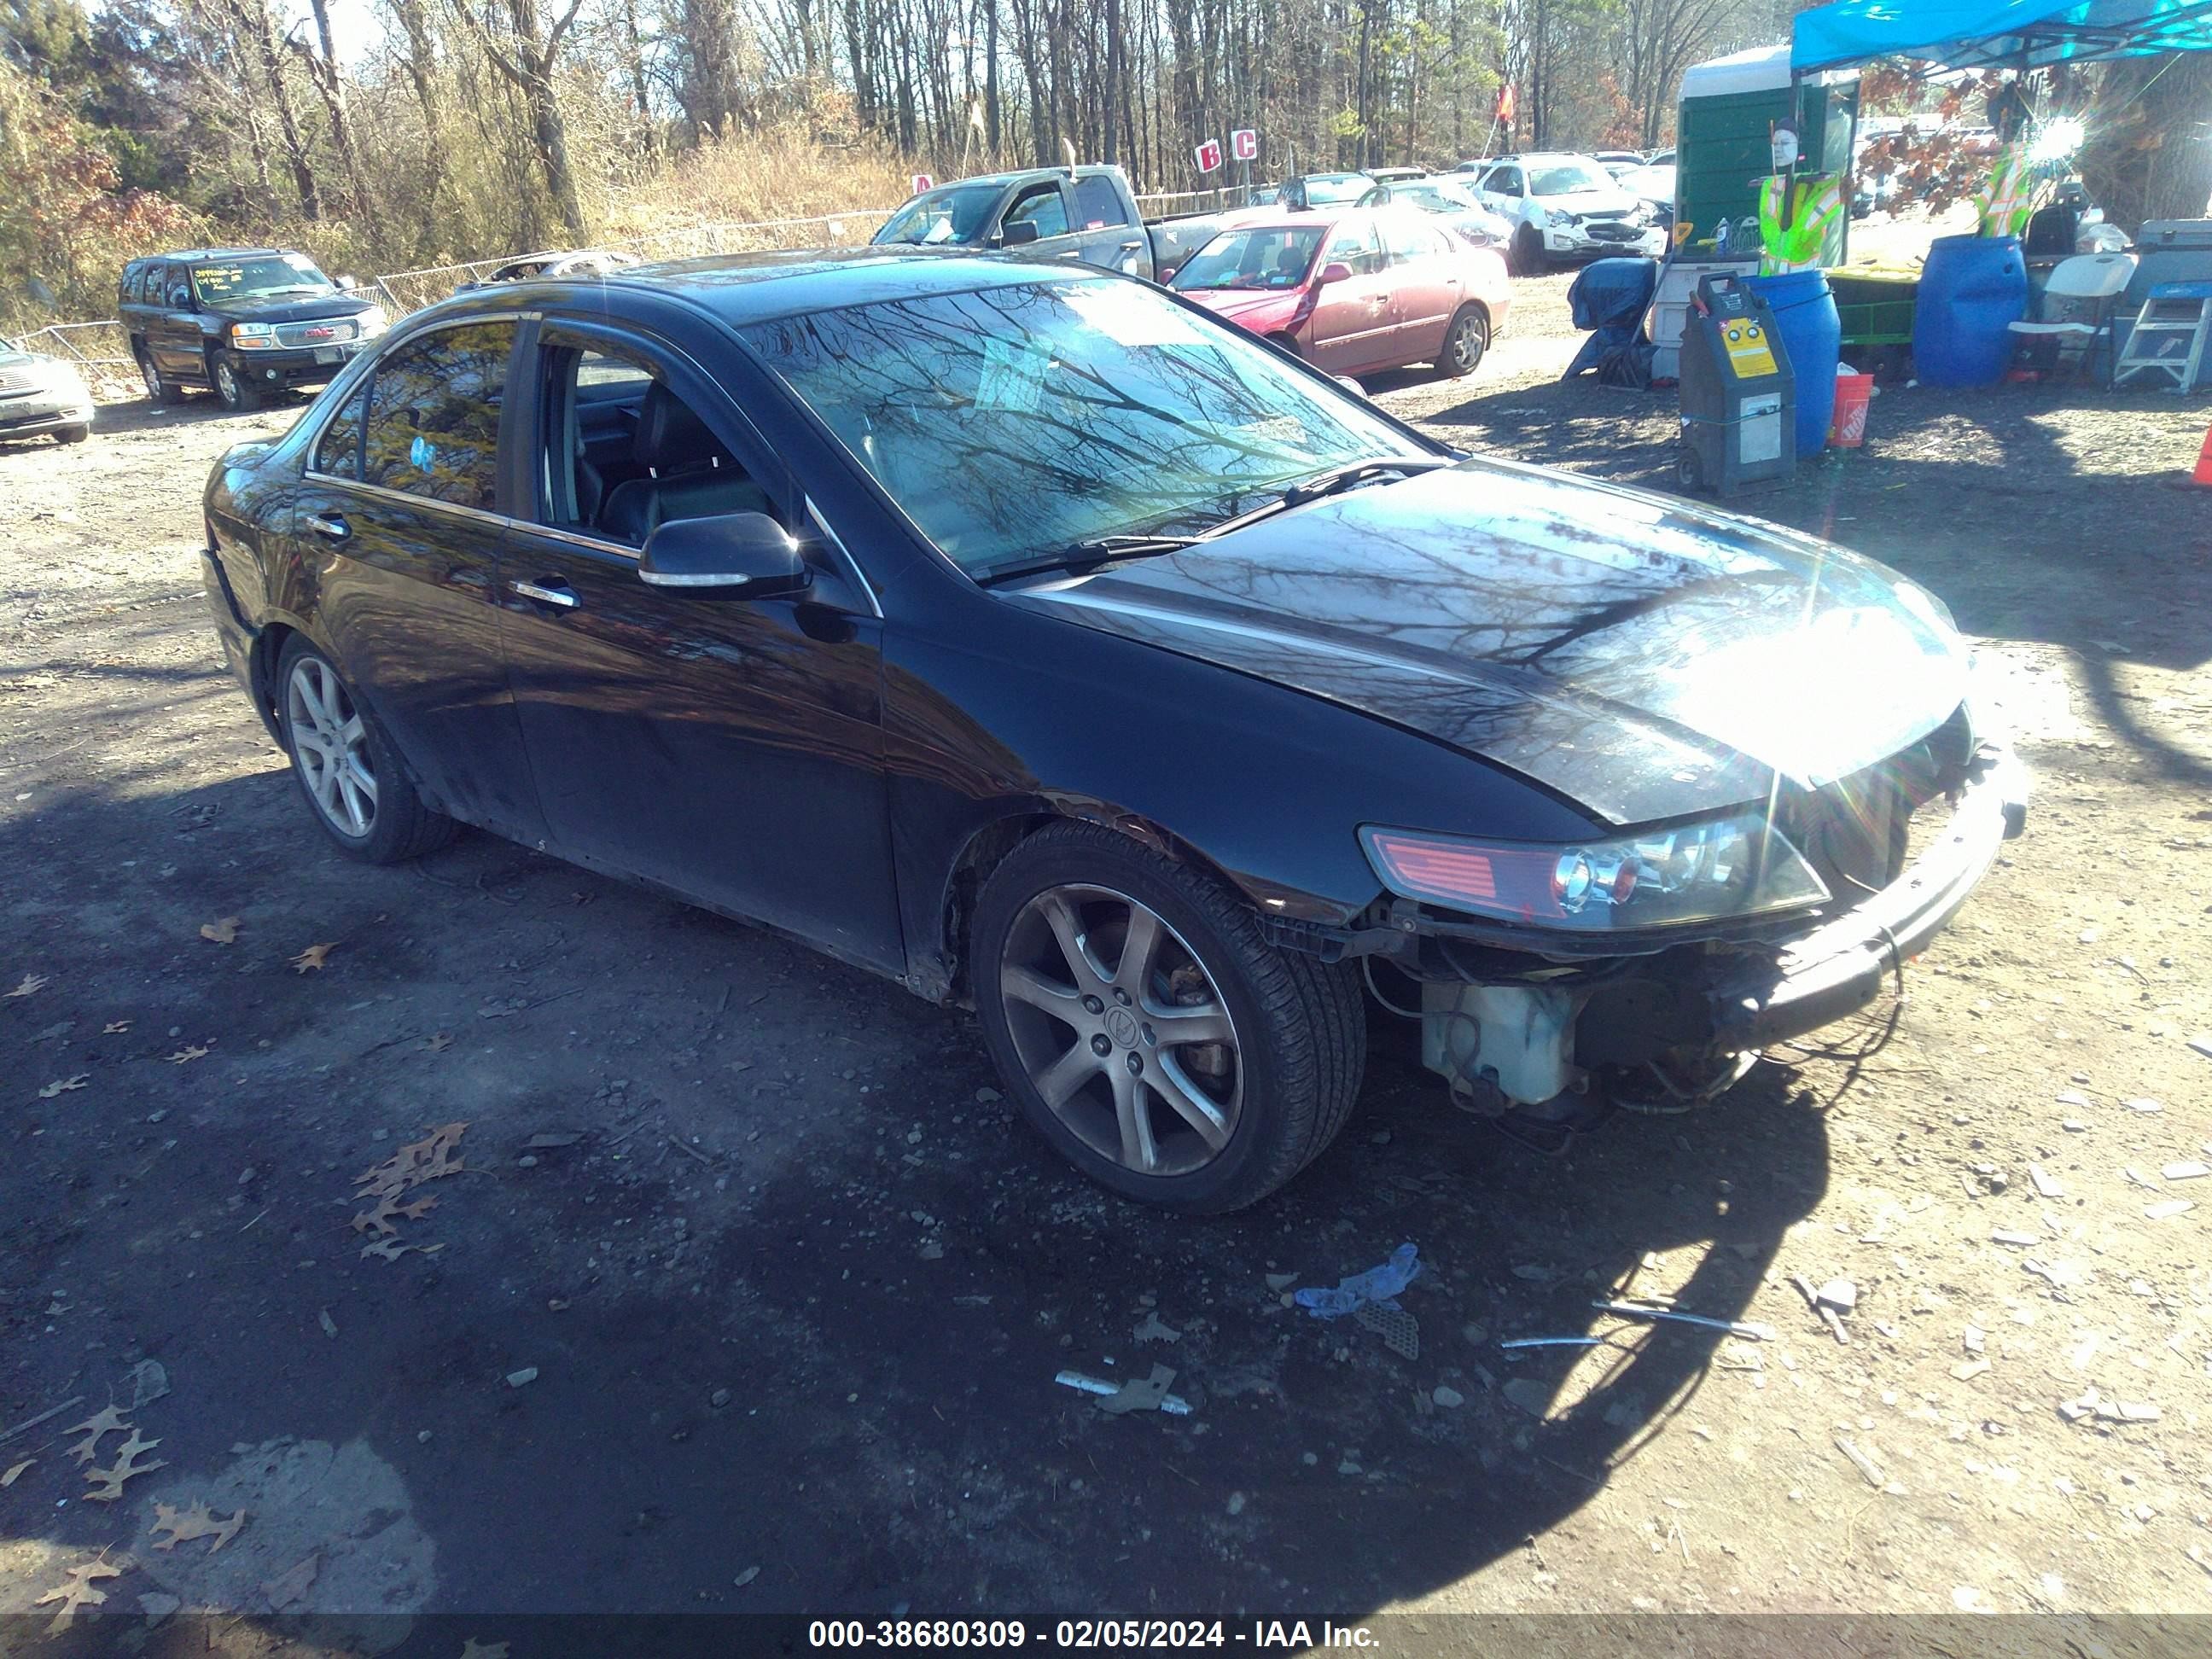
1084,555
1334,481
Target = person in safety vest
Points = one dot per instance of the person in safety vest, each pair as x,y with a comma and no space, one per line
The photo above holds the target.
1816,207
2007,200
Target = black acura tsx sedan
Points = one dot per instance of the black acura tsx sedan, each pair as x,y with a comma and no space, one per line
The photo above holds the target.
1031,637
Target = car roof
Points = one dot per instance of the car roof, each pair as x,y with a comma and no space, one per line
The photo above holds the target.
742,289
195,255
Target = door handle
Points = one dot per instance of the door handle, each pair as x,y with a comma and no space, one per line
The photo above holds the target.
1131,247
332,525
1073,253
554,595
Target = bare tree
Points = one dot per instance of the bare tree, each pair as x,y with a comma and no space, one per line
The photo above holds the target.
528,58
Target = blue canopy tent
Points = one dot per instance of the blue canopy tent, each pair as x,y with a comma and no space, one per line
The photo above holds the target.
1996,34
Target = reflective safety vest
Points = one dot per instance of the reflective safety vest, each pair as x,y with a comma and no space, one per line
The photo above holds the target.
2008,198
1818,202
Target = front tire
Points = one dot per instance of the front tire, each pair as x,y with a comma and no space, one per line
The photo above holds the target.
72,434
1151,1032
238,394
1528,252
347,773
1465,343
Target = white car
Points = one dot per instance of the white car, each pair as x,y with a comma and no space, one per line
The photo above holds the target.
1566,207
39,393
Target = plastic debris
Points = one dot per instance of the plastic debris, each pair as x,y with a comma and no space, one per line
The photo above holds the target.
1173,1404
1281,1281
1399,1331
1751,1330
2145,1104
1840,1294
2189,1170
1553,1342
1967,1370
1866,1465
1378,1286
523,1378
1155,1329
2006,1237
2168,1209
2044,1186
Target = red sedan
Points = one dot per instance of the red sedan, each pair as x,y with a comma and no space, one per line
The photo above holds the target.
1354,292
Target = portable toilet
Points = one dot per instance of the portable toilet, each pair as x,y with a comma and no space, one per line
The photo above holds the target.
1722,147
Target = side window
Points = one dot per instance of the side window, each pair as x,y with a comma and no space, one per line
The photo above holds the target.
1040,204
128,288
176,291
623,453
1506,181
434,409
1354,244
338,451
1097,204
1409,239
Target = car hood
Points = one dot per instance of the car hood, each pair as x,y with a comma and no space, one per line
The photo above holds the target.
293,307
1590,201
1642,657
1235,301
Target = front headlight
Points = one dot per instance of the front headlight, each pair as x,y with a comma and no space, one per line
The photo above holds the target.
60,380
253,336
373,321
1720,869
1557,216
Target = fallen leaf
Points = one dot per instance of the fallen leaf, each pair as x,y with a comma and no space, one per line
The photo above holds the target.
196,1051
197,1522
330,1325
314,956
391,1250
126,1465
288,1587
16,1473
62,1086
77,1593
115,1026
428,1160
32,983
108,1421
220,932
440,1042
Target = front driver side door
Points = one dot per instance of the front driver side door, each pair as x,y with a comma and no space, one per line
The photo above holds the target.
1045,206
728,749
1352,318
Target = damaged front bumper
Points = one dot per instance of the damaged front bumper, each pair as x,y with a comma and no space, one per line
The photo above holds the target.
1514,1035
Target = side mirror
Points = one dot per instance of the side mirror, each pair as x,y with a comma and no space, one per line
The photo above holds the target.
739,555
347,285
1336,271
1020,233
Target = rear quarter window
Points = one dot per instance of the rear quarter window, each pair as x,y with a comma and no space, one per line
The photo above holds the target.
1097,204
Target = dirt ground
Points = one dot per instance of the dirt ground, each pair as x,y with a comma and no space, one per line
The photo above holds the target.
750,1294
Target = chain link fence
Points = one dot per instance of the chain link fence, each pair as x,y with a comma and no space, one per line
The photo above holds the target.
101,350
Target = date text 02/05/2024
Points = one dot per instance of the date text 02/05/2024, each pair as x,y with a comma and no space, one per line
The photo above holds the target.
1082,1634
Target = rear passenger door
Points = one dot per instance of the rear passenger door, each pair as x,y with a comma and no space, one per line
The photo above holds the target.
729,750
396,528
1424,289
1109,234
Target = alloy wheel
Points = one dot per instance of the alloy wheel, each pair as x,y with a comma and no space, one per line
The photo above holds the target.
1463,351
1122,1030
152,376
330,745
227,383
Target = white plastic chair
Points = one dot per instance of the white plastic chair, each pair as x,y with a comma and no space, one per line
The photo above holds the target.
2081,301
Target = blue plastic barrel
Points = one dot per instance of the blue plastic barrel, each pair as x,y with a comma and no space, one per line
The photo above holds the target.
1805,316
1971,288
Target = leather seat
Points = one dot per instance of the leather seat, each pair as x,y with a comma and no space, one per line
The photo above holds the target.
690,478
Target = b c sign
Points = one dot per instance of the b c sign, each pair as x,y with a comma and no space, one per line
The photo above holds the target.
1244,144
1209,155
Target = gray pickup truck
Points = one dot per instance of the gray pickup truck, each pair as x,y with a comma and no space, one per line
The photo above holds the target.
1086,213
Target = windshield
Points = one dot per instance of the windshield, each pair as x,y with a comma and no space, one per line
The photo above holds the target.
1326,188
1020,419
1276,256
258,277
1565,178
1433,196
954,214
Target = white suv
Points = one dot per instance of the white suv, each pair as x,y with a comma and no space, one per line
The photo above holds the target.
1565,206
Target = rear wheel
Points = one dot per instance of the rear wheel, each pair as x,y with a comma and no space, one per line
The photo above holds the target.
345,767
1148,1030
1529,251
159,387
1464,342
237,392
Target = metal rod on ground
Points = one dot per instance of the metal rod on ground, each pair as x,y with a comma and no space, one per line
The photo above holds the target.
1749,1329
